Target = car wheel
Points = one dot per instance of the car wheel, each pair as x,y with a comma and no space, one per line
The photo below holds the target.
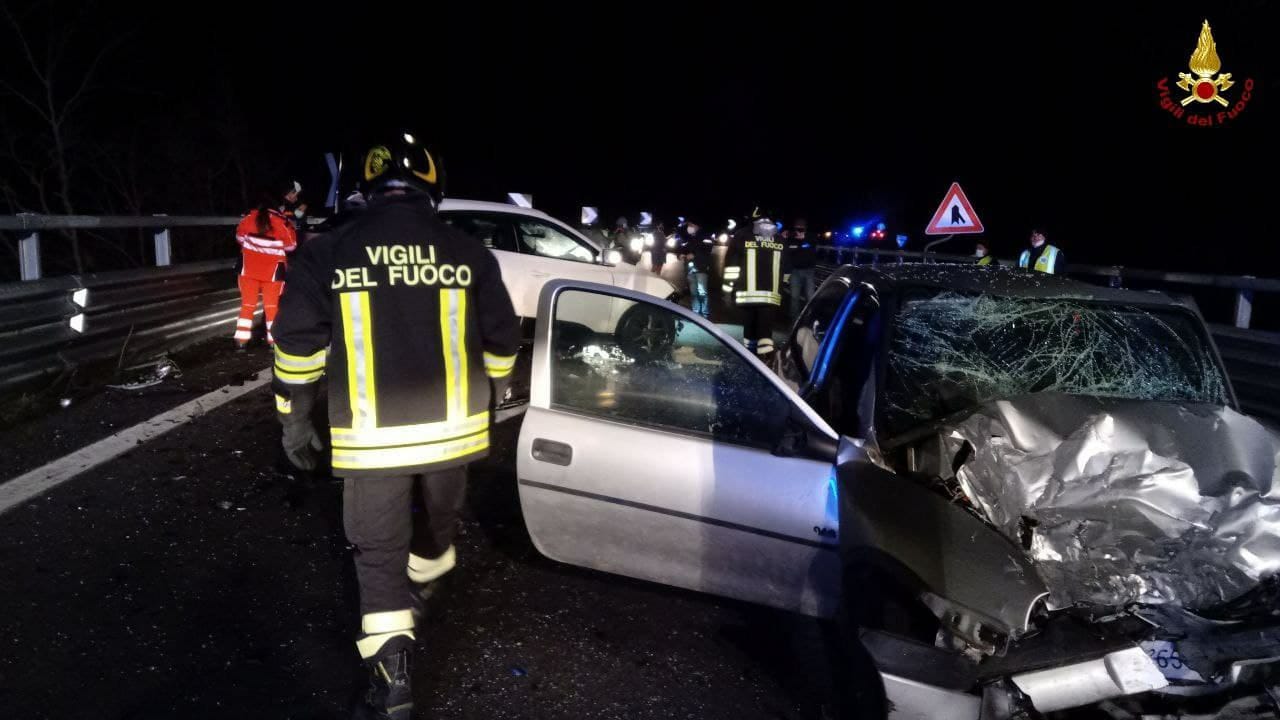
646,333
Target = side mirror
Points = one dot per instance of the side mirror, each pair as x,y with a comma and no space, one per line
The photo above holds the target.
800,440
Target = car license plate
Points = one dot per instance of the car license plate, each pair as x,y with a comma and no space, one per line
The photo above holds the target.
1165,655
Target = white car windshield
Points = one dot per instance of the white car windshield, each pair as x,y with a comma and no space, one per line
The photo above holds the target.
547,241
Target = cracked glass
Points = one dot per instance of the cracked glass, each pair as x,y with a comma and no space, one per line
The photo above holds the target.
951,351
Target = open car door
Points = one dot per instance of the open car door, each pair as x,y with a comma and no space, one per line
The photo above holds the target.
661,449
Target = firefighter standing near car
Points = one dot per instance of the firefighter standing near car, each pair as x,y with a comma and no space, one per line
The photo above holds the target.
753,273
266,237
418,325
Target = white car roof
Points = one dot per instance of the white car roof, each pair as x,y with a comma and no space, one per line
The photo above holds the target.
455,205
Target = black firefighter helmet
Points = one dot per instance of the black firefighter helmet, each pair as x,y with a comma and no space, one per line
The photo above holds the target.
402,161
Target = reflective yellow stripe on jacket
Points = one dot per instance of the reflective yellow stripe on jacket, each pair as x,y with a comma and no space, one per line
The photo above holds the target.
298,369
367,446
453,337
362,389
407,445
757,297
498,366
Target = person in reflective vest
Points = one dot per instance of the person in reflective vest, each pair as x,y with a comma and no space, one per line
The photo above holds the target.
984,257
753,273
266,237
1041,256
411,323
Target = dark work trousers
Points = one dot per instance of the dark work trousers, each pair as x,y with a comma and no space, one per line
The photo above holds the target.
757,327
379,521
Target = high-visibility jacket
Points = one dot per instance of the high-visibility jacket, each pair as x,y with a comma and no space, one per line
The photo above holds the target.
986,260
262,255
1048,260
753,269
409,319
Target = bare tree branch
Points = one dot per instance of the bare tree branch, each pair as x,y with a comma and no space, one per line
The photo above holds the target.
22,41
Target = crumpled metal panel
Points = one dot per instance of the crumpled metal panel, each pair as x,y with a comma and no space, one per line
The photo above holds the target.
1129,501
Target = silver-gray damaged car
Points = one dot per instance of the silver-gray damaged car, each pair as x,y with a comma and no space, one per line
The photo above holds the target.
1017,494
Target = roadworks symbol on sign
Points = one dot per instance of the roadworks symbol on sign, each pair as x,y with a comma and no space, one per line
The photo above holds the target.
955,216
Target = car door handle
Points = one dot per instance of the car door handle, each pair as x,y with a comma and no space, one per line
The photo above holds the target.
550,451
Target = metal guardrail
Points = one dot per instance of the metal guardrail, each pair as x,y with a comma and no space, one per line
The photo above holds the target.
48,327
1115,275
28,227
51,326
1252,359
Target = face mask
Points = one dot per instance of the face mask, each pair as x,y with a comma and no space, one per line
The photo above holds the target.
980,252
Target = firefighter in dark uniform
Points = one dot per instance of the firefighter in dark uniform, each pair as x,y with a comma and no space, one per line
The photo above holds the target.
410,321
753,272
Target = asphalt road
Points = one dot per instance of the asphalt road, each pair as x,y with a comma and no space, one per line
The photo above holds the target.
197,577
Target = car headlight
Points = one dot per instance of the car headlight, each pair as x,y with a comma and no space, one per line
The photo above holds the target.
723,238
613,258
637,244
671,242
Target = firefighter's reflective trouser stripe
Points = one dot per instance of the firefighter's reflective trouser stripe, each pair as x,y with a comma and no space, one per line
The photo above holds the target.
249,291
757,327
392,542
378,628
365,445
424,569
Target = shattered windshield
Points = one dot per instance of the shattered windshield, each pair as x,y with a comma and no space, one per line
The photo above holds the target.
951,351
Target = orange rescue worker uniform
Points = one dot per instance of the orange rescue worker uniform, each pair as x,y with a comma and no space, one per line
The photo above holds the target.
266,237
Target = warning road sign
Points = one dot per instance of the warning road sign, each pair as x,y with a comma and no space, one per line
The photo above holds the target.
955,216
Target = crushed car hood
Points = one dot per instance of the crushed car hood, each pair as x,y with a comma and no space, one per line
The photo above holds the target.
1121,502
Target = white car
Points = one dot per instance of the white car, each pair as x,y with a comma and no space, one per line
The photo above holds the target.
533,248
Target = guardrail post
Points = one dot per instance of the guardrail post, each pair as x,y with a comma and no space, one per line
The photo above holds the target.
1244,306
164,251
29,256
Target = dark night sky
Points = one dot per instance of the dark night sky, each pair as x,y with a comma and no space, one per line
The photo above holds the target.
1046,117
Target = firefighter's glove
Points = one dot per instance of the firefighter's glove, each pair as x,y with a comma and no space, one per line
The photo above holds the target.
499,387
302,444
